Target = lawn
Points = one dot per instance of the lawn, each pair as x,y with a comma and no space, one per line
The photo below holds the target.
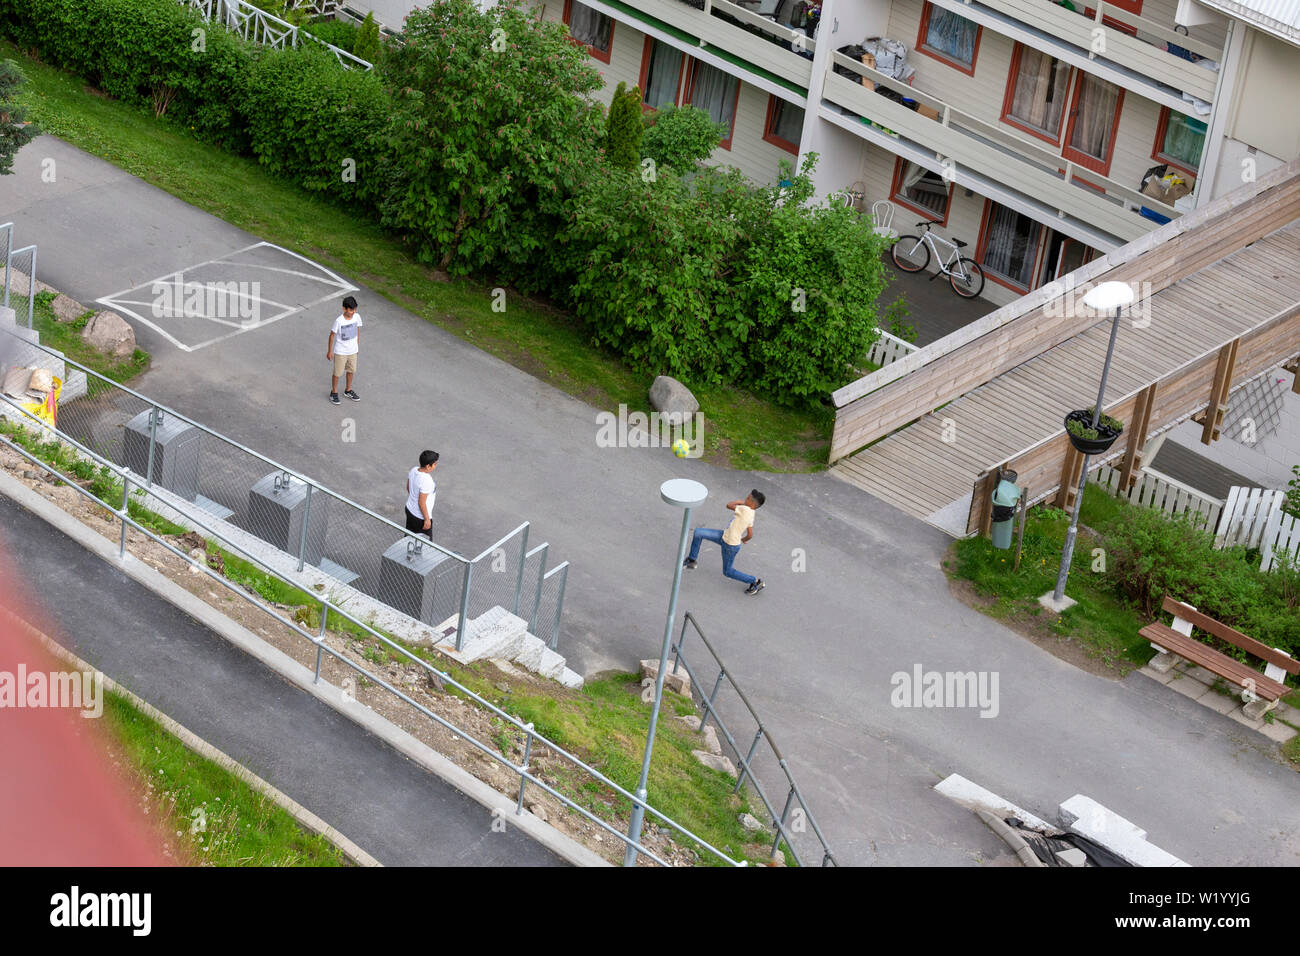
65,337
741,430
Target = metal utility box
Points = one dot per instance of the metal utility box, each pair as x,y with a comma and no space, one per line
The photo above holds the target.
420,581
278,504
175,453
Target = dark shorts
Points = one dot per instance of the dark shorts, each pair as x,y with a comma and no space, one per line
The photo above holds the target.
416,524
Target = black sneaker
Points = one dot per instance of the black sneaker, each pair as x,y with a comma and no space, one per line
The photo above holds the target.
690,564
352,395
334,398
755,587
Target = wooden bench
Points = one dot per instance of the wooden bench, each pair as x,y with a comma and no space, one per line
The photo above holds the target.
1177,641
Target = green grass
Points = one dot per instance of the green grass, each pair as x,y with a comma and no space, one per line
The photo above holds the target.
1100,622
216,817
65,337
741,429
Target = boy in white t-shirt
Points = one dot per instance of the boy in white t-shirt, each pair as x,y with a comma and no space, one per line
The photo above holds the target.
420,492
738,532
344,343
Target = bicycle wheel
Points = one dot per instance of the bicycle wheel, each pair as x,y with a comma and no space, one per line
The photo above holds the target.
969,285
910,254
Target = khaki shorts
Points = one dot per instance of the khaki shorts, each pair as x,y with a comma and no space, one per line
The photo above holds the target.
345,363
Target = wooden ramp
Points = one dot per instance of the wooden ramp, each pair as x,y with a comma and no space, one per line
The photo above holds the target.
1175,354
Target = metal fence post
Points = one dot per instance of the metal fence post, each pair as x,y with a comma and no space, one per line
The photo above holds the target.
519,578
559,606
306,520
9,257
523,780
537,596
780,825
744,769
31,291
126,488
320,638
462,623
154,416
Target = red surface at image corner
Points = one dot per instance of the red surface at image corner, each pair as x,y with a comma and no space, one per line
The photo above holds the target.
61,802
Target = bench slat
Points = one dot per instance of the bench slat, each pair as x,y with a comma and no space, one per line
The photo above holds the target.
1289,664
1212,660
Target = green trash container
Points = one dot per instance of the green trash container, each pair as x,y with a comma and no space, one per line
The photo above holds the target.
1005,498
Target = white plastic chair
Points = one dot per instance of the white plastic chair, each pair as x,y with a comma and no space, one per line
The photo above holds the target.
882,216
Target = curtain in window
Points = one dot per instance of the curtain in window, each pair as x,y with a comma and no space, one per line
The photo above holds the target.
924,188
661,80
1040,91
714,92
787,122
951,35
1184,140
1009,249
590,27
1094,116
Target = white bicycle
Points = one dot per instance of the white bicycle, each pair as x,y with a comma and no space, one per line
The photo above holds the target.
912,254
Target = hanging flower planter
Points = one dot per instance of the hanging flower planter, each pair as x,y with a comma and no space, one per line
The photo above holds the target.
1089,440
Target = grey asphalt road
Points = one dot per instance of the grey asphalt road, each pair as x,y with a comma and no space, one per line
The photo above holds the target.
391,807
816,650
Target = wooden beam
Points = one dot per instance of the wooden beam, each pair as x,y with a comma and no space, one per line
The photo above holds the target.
1071,468
1137,439
1293,367
981,506
1219,391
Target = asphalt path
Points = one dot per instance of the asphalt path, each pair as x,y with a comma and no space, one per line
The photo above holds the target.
855,592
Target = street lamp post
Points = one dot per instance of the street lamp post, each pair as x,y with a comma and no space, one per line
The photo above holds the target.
1104,298
685,494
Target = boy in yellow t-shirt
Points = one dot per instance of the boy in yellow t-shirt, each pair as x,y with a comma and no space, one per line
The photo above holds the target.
738,532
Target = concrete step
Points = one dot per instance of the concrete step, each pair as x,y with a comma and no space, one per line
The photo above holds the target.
552,664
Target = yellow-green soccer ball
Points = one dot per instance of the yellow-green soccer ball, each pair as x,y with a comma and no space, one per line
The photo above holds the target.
681,448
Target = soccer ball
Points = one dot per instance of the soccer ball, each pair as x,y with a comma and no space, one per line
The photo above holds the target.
681,448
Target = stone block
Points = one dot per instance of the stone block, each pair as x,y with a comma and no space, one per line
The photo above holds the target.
1256,710
570,679
551,664
1088,818
678,680
671,397
1163,662
67,309
711,742
1072,857
109,333
530,654
714,762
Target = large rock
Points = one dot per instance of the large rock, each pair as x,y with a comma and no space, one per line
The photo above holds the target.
67,310
671,397
109,332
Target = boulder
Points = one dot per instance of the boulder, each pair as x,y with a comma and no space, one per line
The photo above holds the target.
671,397
109,333
676,679
749,822
66,310
714,762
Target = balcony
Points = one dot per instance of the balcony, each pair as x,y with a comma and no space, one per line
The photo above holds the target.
1105,212
1135,61
733,32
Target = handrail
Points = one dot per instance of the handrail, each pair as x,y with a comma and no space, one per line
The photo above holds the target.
828,858
235,9
1200,47
525,775
785,33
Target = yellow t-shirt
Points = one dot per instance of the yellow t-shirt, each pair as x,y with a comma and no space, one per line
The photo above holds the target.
743,521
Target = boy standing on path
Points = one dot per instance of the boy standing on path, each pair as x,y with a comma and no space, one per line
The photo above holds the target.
738,532
344,343
420,492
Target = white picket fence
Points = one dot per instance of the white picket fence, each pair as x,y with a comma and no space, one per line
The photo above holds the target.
1253,517
257,26
1154,490
889,348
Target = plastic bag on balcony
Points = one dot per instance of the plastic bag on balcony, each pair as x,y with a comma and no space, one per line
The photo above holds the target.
891,57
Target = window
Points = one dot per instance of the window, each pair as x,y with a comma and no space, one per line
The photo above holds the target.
921,190
949,38
1008,247
592,29
1036,93
1090,136
784,124
716,93
1180,140
661,73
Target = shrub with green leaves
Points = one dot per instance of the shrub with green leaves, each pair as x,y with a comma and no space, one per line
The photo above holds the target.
367,45
623,129
680,137
15,131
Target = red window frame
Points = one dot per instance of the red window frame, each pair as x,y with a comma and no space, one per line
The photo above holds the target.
1010,95
982,245
1162,130
896,196
643,81
689,88
768,135
1101,166
592,51
943,58
1091,14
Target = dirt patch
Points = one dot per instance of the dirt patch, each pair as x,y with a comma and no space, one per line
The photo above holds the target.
396,670
1037,629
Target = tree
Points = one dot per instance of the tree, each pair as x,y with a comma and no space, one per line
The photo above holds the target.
624,129
366,46
681,137
15,131
491,133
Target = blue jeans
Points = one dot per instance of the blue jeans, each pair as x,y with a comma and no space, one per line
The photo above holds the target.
729,552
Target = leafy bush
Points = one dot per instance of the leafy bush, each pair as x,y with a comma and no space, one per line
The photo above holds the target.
15,132
1292,503
680,138
367,45
337,33
623,129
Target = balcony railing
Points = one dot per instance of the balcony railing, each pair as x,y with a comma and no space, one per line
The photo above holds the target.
765,44
970,143
1141,54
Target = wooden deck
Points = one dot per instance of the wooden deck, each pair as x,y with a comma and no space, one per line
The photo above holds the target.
928,468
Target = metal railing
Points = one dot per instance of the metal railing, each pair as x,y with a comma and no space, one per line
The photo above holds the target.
18,262
792,819
257,26
134,493
201,473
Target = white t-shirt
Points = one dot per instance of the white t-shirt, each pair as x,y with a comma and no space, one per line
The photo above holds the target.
421,483
742,522
345,334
